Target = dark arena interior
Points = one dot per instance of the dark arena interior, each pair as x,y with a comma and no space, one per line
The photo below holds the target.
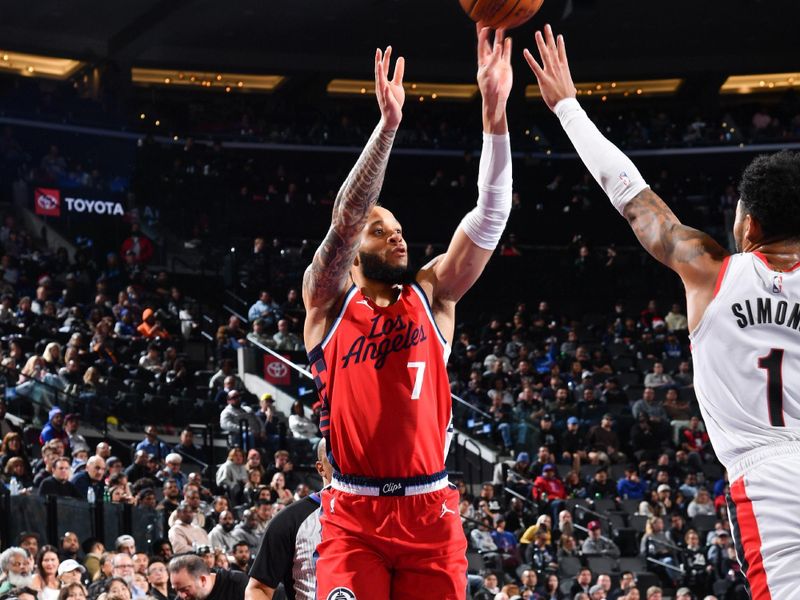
168,169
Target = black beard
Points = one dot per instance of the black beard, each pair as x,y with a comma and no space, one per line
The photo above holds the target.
376,269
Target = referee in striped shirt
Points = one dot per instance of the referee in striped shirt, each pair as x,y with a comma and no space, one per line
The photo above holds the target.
286,553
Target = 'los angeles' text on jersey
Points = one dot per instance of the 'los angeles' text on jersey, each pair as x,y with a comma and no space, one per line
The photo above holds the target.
381,373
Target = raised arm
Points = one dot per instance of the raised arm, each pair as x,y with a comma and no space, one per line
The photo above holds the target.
325,279
694,255
478,234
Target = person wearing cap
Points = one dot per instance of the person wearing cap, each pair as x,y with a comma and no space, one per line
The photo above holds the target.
184,535
601,486
70,571
573,443
598,545
550,490
151,328
596,592
586,382
172,469
54,428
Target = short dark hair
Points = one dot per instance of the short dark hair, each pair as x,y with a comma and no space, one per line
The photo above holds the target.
770,192
194,565
238,544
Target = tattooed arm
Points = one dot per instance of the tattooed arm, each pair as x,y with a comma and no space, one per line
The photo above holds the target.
695,256
692,254
325,279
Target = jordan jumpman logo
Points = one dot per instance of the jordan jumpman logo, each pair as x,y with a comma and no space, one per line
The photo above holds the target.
446,510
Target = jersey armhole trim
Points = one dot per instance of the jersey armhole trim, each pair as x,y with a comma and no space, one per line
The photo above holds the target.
349,296
427,305
721,275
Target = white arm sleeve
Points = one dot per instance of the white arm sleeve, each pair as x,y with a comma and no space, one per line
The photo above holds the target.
615,172
485,223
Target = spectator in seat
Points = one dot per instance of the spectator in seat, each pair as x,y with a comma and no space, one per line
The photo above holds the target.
652,408
226,369
184,535
91,477
54,428
58,484
152,445
247,529
150,327
45,580
172,470
301,426
266,309
259,335
627,580
232,471
158,578
604,442
14,567
684,376
232,417
676,320
187,447
286,340
601,486
596,544
583,582
631,487
573,444
658,377
701,504
221,535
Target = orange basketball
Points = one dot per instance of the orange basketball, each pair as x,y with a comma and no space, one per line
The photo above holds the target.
497,14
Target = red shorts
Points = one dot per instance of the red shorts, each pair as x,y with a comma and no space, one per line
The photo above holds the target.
391,547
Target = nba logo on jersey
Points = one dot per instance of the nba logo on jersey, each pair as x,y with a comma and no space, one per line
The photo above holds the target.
341,593
623,177
777,284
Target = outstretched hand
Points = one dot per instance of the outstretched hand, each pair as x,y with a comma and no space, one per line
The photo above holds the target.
390,93
495,75
555,80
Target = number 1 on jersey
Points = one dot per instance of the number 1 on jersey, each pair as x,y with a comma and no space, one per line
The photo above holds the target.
773,364
420,367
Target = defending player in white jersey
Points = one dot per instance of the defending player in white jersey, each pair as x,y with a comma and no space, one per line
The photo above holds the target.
744,319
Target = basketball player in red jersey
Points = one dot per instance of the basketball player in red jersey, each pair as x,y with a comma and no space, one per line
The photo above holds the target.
380,339
744,319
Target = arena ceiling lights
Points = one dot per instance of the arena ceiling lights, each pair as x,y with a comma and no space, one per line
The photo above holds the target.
215,81
34,65
760,84
423,91
607,89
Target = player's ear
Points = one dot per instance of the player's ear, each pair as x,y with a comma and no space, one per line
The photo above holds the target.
752,229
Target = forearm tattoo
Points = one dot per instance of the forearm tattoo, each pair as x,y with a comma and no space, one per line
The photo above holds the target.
356,198
663,235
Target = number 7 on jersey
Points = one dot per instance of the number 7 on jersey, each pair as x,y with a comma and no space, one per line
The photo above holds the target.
420,367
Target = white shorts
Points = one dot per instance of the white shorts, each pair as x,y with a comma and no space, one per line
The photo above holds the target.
765,520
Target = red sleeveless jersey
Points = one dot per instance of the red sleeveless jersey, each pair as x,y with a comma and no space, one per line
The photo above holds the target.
382,377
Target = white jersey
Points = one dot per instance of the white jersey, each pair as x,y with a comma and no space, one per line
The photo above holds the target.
746,353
